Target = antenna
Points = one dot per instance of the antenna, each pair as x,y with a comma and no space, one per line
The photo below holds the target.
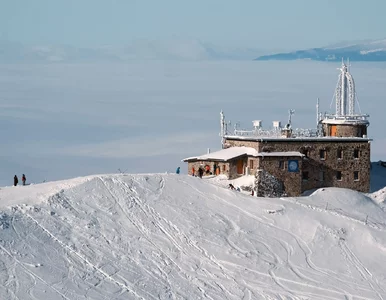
290,113
345,92
222,128
317,111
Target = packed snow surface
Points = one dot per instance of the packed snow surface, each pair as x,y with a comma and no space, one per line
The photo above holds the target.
167,236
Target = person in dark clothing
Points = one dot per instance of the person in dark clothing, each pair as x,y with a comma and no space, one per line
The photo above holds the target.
15,181
178,170
231,186
23,179
200,172
207,170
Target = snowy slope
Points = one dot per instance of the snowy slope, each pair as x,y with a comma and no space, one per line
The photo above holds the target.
161,236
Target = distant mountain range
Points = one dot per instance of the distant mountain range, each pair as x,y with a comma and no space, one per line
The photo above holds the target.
177,49
370,50
182,50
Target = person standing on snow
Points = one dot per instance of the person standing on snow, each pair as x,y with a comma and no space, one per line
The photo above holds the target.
15,181
207,169
178,170
23,179
200,172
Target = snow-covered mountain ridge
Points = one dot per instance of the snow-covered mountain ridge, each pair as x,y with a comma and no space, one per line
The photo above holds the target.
167,236
372,50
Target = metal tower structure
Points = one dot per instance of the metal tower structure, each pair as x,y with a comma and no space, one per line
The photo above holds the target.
344,123
223,131
345,93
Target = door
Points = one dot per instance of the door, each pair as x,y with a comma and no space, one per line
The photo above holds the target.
240,166
333,130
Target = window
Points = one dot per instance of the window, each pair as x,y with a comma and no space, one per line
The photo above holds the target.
322,154
224,168
251,164
339,154
305,175
356,175
321,176
356,153
305,152
281,164
267,149
338,175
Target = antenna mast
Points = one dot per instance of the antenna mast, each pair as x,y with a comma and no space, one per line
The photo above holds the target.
317,112
290,113
345,93
223,128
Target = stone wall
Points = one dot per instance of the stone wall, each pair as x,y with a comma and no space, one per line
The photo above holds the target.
223,167
228,168
240,143
341,130
314,165
253,164
324,161
233,167
317,172
278,167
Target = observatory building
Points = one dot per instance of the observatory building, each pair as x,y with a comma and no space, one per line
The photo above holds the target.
334,154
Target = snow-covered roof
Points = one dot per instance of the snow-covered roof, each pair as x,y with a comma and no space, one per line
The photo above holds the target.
233,152
336,121
225,154
280,154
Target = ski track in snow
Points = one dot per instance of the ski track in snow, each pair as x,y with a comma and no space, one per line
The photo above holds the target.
172,234
131,217
176,237
76,253
266,262
33,275
364,272
307,252
340,213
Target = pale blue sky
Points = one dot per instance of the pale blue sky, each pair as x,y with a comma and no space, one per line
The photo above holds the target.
274,24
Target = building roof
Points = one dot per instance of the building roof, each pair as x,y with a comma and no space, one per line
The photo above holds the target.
345,121
299,139
234,152
225,154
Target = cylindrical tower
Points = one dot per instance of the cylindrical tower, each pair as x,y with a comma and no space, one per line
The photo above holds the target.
345,128
345,123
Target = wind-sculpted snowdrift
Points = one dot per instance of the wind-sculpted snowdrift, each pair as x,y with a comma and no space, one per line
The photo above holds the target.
178,237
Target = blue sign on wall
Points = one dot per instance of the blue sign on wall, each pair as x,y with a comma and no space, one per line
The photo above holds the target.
293,166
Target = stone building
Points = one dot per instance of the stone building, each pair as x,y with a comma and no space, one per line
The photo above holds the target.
335,154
